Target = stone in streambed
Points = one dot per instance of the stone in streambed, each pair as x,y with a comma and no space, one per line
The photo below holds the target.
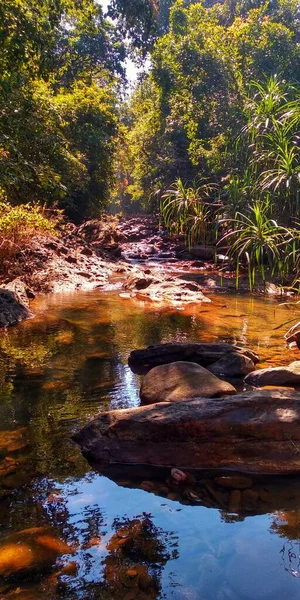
203,252
14,305
249,499
238,482
182,381
293,335
275,376
204,354
233,364
254,432
235,499
30,550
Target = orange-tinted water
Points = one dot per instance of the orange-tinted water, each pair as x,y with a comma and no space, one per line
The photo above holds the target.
95,538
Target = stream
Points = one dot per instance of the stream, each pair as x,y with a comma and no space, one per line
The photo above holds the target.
116,541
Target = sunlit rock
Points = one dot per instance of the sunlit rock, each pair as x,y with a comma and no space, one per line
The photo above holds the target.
254,432
289,375
181,381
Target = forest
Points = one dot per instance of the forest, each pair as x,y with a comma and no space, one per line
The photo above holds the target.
149,299
208,136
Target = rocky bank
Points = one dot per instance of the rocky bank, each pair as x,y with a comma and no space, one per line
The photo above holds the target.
95,255
135,255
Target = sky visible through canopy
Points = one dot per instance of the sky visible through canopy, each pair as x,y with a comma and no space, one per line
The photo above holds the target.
131,69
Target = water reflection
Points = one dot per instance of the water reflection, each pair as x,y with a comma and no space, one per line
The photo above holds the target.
71,362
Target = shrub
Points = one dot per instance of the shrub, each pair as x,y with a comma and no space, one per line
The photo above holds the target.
189,210
18,224
258,241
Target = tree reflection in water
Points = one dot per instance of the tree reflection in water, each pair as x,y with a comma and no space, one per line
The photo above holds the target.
128,566
287,525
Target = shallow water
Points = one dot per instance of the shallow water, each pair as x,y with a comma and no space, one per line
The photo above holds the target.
63,367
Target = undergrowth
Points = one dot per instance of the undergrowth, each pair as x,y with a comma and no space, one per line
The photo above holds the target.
19,224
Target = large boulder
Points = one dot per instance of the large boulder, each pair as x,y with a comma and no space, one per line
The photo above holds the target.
255,432
204,354
289,375
181,381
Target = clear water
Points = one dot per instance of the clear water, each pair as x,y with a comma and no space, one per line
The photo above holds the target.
61,368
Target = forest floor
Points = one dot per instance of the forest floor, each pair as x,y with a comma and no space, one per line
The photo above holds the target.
133,254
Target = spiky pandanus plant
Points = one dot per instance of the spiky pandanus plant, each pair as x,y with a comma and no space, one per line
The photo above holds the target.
191,211
259,242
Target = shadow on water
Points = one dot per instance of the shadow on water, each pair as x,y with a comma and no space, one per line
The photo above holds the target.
68,531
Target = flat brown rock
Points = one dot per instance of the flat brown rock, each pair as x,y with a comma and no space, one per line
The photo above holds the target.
275,376
160,287
254,432
181,381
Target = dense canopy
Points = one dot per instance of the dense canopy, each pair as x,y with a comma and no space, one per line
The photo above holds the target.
217,102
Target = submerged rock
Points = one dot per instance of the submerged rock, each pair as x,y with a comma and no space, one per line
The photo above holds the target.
275,376
181,380
30,550
254,432
204,354
235,482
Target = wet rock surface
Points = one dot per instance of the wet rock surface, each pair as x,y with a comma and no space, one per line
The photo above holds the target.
159,287
233,364
275,376
204,354
181,380
96,255
30,550
135,252
254,432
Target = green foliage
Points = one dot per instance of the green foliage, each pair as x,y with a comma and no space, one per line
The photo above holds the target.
137,19
259,241
273,137
58,88
188,112
17,226
188,210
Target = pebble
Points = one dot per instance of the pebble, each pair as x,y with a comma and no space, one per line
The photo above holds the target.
236,482
235,499
178,476
148,486
249,499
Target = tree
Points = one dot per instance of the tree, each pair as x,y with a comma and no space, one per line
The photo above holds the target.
199,82
59,65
